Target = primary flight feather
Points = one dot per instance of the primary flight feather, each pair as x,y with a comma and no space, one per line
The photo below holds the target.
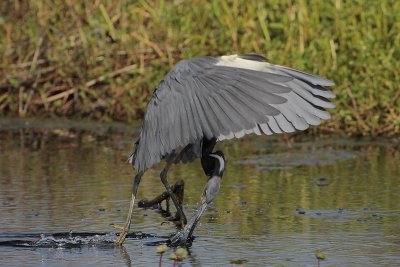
227,97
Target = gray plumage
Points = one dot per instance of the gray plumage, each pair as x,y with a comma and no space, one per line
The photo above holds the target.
224,98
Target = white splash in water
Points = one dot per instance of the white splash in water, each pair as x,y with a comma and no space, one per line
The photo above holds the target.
75,241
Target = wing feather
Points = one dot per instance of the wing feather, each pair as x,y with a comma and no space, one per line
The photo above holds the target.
300,75
284,124
309,97
205,125
187,133
266,130
227,97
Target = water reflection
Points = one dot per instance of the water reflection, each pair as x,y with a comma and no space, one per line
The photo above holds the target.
87,256
279,201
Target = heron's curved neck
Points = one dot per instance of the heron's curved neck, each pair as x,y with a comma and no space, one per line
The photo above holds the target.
219,165
213,164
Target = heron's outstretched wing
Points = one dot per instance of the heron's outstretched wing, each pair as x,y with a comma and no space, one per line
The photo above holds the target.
228,97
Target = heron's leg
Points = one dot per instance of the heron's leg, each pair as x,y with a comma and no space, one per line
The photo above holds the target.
163,176
125,230
210,192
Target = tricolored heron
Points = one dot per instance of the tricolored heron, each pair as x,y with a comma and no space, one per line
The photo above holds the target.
208,99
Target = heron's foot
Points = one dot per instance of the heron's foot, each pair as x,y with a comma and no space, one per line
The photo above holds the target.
121,237
181,238
117,226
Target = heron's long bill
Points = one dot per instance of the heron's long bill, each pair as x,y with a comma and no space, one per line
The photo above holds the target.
196,218
182,236
210,192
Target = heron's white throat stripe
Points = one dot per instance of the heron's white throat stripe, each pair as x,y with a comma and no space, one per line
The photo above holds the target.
221,161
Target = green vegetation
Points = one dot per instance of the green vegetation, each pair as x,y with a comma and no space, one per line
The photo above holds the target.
102,59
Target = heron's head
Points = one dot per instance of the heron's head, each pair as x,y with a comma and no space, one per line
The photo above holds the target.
216,163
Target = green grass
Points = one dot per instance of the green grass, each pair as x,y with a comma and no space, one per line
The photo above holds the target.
102,59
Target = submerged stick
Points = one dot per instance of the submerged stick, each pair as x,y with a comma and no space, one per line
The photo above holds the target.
177,189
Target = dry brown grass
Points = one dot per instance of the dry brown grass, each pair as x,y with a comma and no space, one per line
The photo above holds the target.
102,59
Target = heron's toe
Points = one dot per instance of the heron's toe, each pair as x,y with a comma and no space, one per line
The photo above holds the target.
118,226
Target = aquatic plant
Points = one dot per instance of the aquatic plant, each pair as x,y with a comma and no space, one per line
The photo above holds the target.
160,250
320,256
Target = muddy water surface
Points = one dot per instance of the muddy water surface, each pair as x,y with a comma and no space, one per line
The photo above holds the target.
279,202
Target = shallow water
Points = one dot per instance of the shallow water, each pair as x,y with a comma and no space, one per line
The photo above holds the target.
280,201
